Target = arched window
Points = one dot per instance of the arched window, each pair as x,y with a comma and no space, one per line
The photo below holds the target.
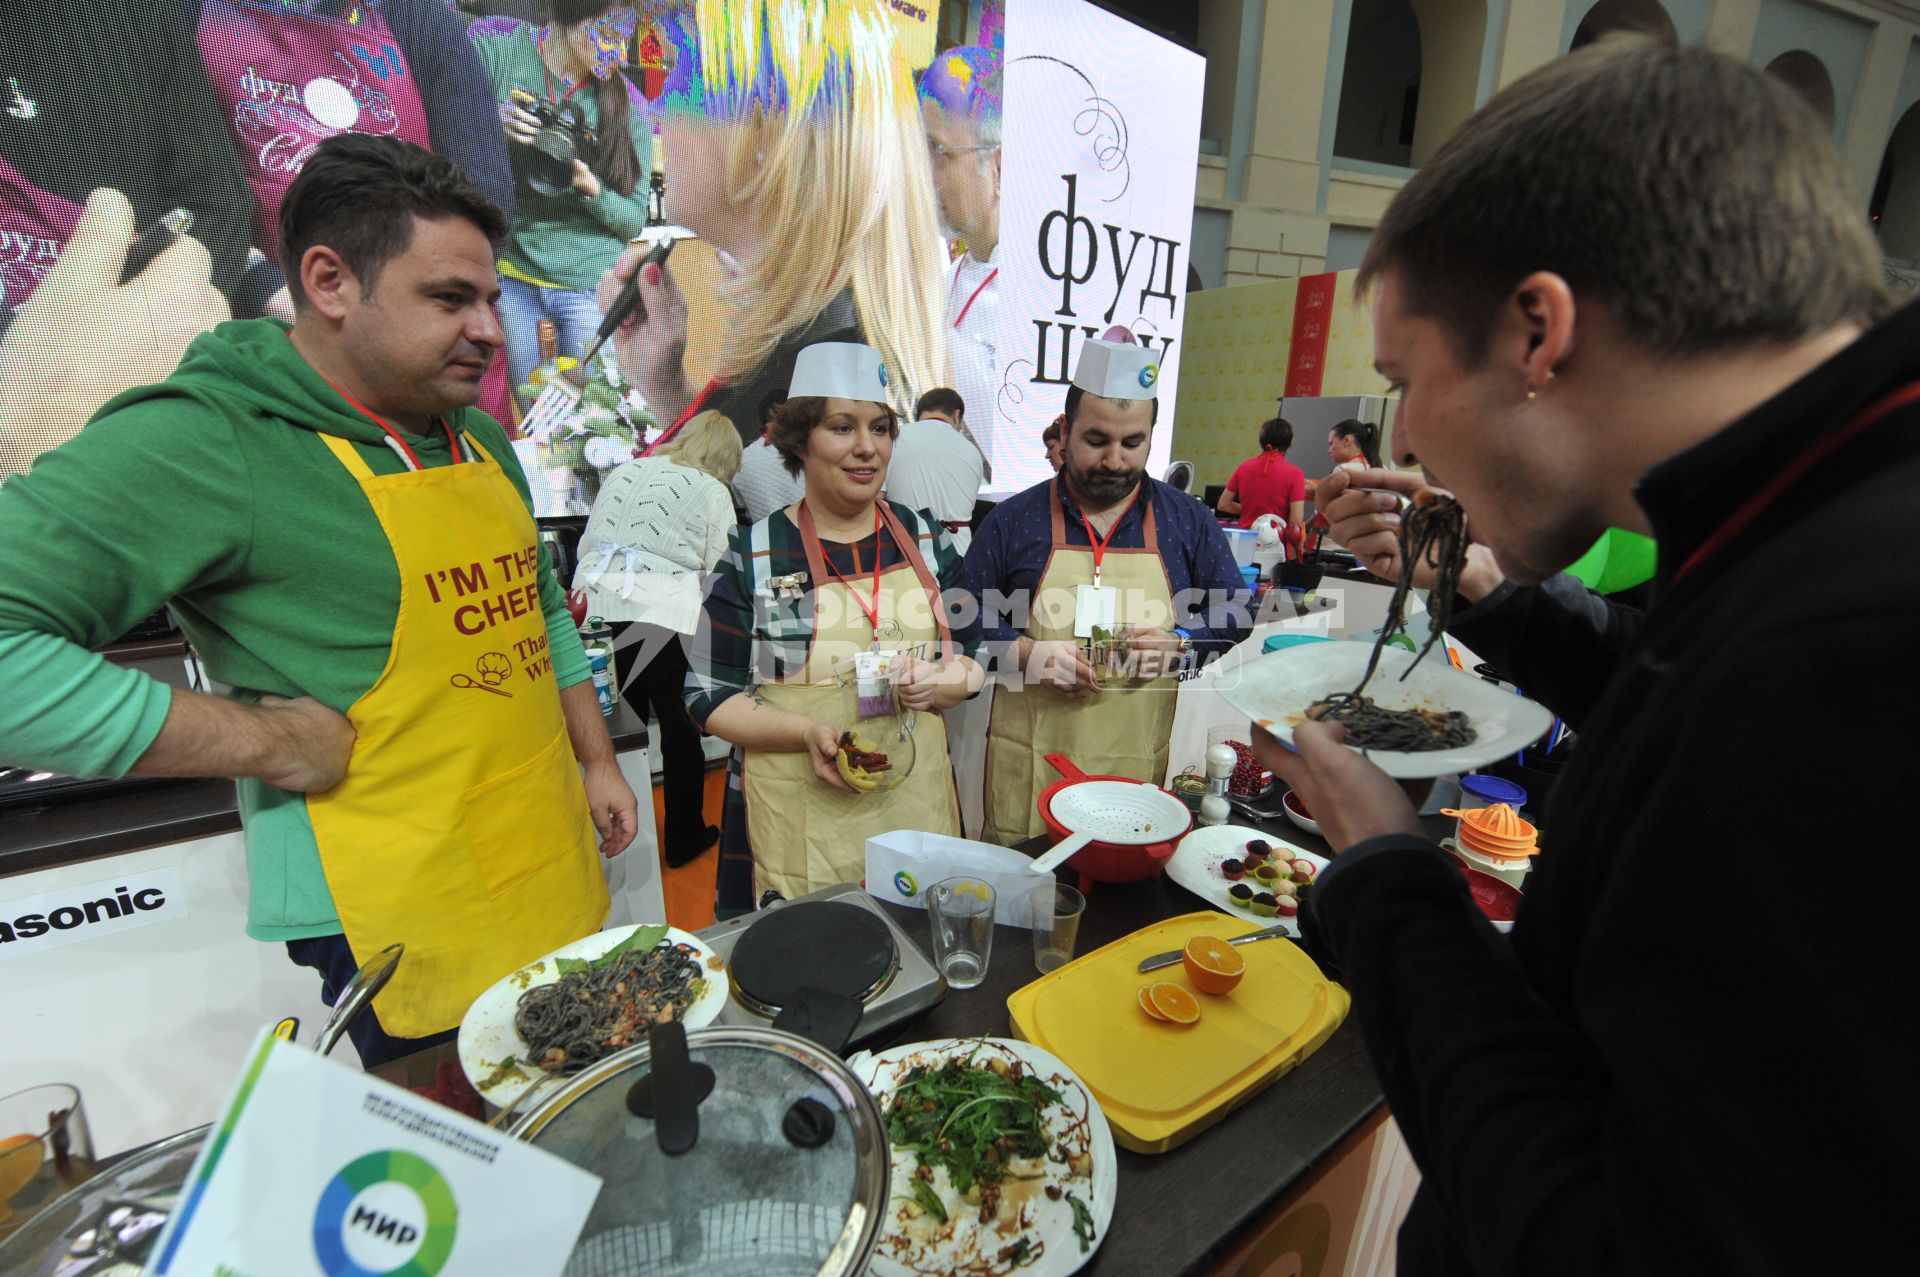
1808,77
1411,77
1896,196
1644,17
1453,36
1380,84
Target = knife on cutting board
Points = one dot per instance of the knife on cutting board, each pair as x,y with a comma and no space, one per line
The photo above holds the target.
1159,960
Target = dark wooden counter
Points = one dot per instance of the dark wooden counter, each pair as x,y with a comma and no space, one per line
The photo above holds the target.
148,815
1182,1211
1179,1212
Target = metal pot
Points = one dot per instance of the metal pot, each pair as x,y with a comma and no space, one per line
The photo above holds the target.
728,1150
107,1226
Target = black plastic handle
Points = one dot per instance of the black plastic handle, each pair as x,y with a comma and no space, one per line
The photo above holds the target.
672,1090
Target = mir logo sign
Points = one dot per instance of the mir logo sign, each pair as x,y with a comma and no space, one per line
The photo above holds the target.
89,911
388,1214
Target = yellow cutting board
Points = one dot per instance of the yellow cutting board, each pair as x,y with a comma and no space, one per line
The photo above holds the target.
1161,1084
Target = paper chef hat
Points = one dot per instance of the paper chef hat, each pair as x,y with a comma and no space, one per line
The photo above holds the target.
840,369
1117,370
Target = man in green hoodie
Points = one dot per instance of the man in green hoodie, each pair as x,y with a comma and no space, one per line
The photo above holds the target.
350,545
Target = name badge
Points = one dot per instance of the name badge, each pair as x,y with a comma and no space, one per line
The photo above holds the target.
873,682
1095,606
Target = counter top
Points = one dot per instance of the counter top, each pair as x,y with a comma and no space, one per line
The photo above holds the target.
1183,1210
1178,1212
152,813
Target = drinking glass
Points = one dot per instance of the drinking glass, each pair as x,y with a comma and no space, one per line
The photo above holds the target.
960,911
1056,910
44,1150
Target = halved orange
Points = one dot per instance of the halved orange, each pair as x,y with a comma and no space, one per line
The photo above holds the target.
1146,1003
1174,1003
1213,965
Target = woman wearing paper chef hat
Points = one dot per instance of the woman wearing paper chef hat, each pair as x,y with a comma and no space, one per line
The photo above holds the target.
823,615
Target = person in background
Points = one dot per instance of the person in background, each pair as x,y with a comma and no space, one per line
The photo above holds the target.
287,77
658,526
764,484
1099,546
793,145
1054,439
1566,299
960,103
1354,445
1268,483
97,96
351,547
566,236
52,378
937,466
842,571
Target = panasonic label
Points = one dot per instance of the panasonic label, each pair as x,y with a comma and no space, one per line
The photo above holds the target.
89,911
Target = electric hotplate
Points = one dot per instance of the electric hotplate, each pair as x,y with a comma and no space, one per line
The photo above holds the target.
852,948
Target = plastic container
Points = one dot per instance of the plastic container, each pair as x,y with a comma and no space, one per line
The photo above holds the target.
1242,542
1480,790
597,637
1511,872
1496,840
1274,642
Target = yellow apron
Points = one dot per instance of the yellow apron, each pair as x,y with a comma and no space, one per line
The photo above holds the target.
461,829
806,834
1120,731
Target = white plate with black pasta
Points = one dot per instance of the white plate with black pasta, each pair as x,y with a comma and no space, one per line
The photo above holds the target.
1275,690
680,977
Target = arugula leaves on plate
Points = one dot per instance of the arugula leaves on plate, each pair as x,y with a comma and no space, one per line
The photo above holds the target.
642,939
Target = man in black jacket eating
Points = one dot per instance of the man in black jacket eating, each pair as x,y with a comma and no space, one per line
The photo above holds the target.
1633,291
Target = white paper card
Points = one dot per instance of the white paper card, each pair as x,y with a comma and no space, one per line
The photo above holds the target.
902,864
1095,605
316,1169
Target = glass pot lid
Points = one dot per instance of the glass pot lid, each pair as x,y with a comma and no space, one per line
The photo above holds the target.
724,1151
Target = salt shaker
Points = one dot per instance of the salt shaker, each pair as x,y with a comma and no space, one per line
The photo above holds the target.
1221,760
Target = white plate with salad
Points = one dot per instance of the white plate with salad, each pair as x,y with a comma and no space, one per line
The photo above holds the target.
960,1201
498,1060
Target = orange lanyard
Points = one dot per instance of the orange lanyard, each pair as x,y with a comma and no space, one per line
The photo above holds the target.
953,291
1765,495
394,440
1100,543
870,607
541,45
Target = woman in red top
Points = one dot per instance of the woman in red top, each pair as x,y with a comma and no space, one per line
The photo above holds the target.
1268,483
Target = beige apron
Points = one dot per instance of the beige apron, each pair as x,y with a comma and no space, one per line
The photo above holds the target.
806,834
1119,731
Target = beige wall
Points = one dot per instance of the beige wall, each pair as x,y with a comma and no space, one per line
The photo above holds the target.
1291,198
